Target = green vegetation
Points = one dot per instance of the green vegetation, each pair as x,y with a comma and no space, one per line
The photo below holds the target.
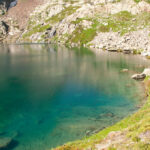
36,29
122,22
60,16
83,36
137,1
133,126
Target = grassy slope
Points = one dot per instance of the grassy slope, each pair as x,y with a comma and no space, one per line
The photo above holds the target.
134,124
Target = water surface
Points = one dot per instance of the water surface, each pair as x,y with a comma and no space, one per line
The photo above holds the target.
50,95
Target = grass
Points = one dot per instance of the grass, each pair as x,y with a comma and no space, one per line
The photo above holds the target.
137,1
134,125
118,22
122,22
83,36
36,29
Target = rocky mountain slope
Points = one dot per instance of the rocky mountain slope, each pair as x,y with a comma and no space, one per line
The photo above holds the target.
14,17
115,25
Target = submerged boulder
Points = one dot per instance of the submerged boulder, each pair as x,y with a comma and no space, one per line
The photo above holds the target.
124,70
4,142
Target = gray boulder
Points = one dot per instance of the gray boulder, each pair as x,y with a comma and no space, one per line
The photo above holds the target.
139,76
3,29
142,76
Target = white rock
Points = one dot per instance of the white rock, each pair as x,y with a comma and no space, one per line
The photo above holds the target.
146,72
139,76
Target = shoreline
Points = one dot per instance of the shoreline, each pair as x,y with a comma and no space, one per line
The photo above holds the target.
94,141
116,129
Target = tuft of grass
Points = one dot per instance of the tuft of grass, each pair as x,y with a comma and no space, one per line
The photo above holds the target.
82,36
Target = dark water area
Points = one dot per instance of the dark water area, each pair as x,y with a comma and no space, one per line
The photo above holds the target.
50,95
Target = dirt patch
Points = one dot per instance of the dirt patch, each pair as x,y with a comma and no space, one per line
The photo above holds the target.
22,10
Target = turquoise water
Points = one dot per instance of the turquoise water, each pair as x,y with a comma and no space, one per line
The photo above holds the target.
50,95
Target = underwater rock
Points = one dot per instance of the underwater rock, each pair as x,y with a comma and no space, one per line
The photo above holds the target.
90,132
2,133
40,121
109,115
104,115
4,142
139,76
128,85
124,70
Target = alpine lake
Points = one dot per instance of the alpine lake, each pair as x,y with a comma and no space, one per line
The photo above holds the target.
50,94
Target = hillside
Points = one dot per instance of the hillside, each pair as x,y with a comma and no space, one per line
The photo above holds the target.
115,25
111,25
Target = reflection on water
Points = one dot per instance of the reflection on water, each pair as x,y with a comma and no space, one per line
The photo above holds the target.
50,95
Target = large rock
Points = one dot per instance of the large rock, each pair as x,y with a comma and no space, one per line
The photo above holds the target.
5,4
142,76
4,142
139,76
146,72
3,29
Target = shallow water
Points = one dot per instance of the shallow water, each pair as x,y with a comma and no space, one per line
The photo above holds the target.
50,95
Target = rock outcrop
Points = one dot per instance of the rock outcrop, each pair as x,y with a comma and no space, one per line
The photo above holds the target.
139,76
5,5
3,30
135,40
142,76
106,25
